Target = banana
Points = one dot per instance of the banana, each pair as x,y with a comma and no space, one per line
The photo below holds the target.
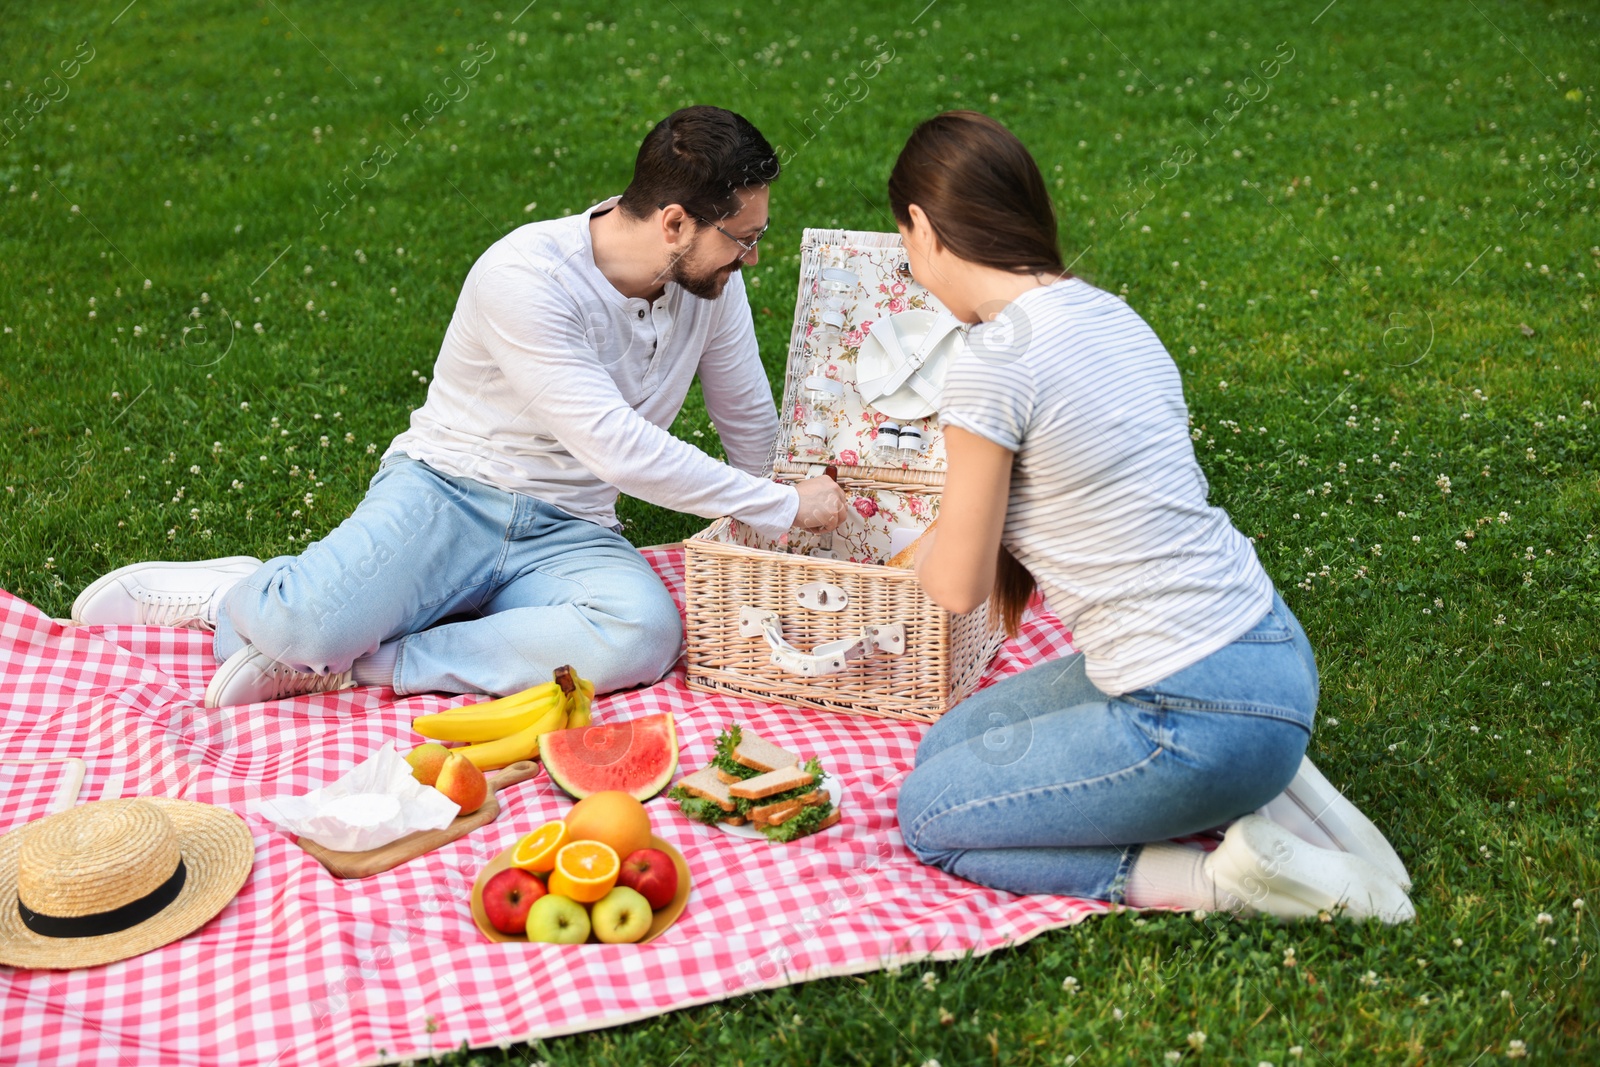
494,719
582,698
500,718
524,744
543,691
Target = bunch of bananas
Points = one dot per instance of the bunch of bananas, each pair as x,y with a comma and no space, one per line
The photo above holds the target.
506,730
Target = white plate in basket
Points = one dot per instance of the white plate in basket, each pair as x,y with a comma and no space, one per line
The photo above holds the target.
830,786
901,364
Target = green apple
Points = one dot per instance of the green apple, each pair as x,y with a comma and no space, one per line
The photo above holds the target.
558,920
621,917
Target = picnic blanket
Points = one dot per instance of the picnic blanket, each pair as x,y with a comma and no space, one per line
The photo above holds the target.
303,968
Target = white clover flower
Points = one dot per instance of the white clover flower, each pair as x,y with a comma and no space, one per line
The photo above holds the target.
1069,984
1196,1039
1544,918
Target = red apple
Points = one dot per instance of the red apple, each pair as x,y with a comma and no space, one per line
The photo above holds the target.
651,872
507,898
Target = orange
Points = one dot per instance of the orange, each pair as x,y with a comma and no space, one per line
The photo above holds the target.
537,851
585,871
612,816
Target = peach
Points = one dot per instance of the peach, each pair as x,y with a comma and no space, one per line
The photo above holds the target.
426,760
461,781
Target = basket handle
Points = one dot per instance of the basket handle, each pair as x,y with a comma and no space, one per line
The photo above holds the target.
829,658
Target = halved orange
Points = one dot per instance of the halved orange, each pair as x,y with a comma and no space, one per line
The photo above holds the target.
537,851
585,871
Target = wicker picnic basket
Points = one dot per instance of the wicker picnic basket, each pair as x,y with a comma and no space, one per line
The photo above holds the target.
819,621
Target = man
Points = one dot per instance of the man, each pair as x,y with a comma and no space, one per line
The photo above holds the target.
487,550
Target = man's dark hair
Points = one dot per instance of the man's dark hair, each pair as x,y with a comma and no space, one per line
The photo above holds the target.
698,157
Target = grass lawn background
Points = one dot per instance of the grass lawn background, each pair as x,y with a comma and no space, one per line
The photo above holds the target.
1366,232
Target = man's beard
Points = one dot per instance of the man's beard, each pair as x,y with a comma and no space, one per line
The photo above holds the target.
707,285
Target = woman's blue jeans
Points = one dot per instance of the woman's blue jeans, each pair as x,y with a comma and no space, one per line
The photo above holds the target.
1043,784
484,591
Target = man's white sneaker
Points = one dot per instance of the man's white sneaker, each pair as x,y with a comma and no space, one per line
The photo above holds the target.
1262,868
1312,809
250,676
162,594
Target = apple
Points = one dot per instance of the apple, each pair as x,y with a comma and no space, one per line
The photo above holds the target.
652,873
558,920
426,760
461,781
508,896
621,917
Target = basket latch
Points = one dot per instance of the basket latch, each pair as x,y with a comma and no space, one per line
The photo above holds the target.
820,596
828,658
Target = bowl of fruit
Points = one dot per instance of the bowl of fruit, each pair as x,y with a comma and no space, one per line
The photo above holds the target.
599,875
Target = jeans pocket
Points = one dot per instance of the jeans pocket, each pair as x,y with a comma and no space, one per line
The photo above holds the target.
1273,627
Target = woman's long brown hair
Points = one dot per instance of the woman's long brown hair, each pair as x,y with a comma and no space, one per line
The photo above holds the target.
987,203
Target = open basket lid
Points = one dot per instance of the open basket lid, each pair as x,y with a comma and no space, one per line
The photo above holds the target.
866,363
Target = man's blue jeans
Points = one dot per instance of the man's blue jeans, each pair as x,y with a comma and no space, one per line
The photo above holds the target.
1043,784
522,587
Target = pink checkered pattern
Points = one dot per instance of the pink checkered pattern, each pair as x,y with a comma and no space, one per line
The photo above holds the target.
303,968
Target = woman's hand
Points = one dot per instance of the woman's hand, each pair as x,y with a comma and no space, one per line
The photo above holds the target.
956,564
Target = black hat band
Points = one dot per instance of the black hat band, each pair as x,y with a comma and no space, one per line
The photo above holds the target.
106,922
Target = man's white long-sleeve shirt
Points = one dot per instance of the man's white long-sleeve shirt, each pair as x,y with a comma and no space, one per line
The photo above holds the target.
552,383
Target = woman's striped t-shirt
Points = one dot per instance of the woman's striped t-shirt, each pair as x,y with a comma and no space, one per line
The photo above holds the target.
1108,504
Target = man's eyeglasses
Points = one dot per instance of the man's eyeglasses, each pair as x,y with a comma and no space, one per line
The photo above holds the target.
746,247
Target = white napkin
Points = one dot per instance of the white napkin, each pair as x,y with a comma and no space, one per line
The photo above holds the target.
376,802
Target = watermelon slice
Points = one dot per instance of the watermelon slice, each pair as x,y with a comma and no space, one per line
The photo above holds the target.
638,756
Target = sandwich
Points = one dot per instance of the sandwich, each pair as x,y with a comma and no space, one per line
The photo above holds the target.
751,780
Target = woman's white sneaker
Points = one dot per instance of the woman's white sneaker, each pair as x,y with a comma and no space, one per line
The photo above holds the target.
250,676
1315,811
1263,868
162,594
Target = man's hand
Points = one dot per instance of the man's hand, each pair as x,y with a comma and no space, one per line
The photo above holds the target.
822,505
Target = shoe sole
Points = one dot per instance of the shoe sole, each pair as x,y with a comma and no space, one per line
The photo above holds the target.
1334,815
226,673
1284,876
106,579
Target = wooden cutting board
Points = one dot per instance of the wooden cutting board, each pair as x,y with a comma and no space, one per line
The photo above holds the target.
373,861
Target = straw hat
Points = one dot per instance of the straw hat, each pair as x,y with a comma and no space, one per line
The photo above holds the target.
114,878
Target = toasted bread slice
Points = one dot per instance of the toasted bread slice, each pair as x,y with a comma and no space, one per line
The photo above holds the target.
733,820
782,816
827,821
765,785
704,783
775,813
725,777
816,796
762,754
906,558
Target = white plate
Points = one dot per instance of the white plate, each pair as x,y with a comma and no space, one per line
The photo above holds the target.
830,786
901,364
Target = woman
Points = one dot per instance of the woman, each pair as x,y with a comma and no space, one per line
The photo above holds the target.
1191,701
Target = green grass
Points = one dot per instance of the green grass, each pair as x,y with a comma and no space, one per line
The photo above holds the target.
1380,271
